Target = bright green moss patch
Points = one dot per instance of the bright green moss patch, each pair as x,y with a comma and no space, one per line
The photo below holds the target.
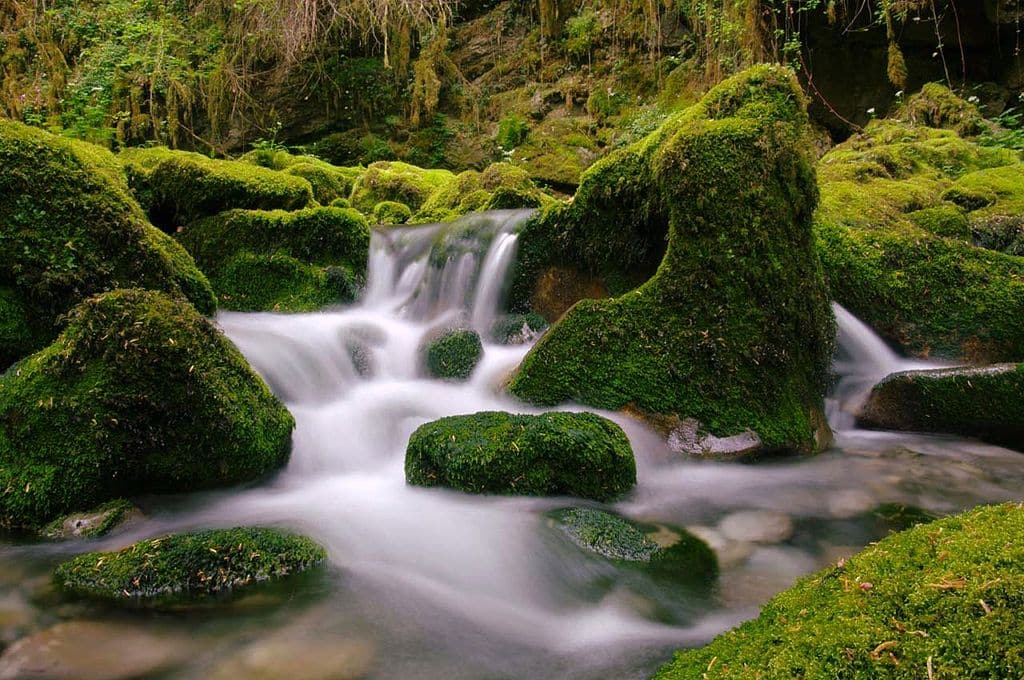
178,187
69,229
553,454
944,596
500,187
734,329
188,566
391,212
281,283
985,402
139,394
453,354
394,181
943,220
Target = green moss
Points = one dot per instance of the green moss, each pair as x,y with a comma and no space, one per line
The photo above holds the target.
453,354
353,147
178,187
557,152
577,454
512,131
91,523
139,394
290,248
69,229
734,329
500,187
391,212
394,181
329,182
980,402
188,566
938,107
943,220
942,599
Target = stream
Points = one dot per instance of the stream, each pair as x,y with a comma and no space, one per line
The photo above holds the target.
431,583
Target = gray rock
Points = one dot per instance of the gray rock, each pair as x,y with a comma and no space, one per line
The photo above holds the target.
756,526
688,439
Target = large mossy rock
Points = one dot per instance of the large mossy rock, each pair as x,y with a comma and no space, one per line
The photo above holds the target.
179,187
942,600
453,354
188,566
395,181
139,394
290,261
985,402
553,454
500,187
69,228
329,182
903,211
734,329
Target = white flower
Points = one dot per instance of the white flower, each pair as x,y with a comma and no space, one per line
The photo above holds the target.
871,111
973,99
899,94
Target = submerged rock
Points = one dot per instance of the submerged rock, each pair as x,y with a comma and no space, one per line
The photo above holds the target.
688,439
734,328
985,402
575,454
311,656
944,596
188,566
92,523
139,394
453,354
757,526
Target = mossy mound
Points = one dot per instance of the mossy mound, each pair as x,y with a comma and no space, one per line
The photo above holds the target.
391,212
939,107
942,599
179,187
139,394
629,543
91,523
453,354
553,454
69,229
985,402
188,566
394,181
329,182
735,328
315,254
500,187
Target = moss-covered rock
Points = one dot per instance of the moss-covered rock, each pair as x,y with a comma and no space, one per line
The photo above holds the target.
91,523
291,261
139,394
452,354
686,558
188,566
500,187
985,402
576,454
394,181
939,107
943,599
734,329
70,229
391,212
515,329
178,187
329,182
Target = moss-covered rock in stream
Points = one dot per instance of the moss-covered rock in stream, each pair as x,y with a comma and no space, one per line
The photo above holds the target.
685,557
139,394
395,181
291,261
985,402
179,187
942,598
734,329
516,329
452,354
553,454
93,523
902,210
70,229
500,187
189,566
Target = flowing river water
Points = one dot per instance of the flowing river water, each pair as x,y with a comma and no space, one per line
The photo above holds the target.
430,583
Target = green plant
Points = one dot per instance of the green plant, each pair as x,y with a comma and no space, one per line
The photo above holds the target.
512,131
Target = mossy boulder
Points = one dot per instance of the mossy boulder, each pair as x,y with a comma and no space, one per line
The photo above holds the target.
391,212
939,107
553,454
179,187
734,329
985,402
452,354
69,228
500,187
943,599
395,181
93,523
329,182
307,256
139,394
189,566
891,236
684,557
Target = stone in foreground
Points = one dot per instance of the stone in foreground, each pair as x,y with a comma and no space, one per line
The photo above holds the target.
553,454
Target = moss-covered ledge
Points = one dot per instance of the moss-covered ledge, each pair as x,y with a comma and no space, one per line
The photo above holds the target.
734,329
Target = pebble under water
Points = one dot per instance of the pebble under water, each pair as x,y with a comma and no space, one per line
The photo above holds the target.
430,583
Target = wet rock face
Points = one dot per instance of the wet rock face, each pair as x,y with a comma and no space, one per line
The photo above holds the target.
985,402
688,439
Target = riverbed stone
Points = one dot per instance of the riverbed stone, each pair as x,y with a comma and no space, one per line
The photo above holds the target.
312,656
93,523
757,526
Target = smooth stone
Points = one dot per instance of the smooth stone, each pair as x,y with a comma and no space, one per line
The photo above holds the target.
294,657
730,553
848,503
94,650
688,439
757,526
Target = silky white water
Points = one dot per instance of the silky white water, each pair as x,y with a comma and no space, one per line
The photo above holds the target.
439,584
